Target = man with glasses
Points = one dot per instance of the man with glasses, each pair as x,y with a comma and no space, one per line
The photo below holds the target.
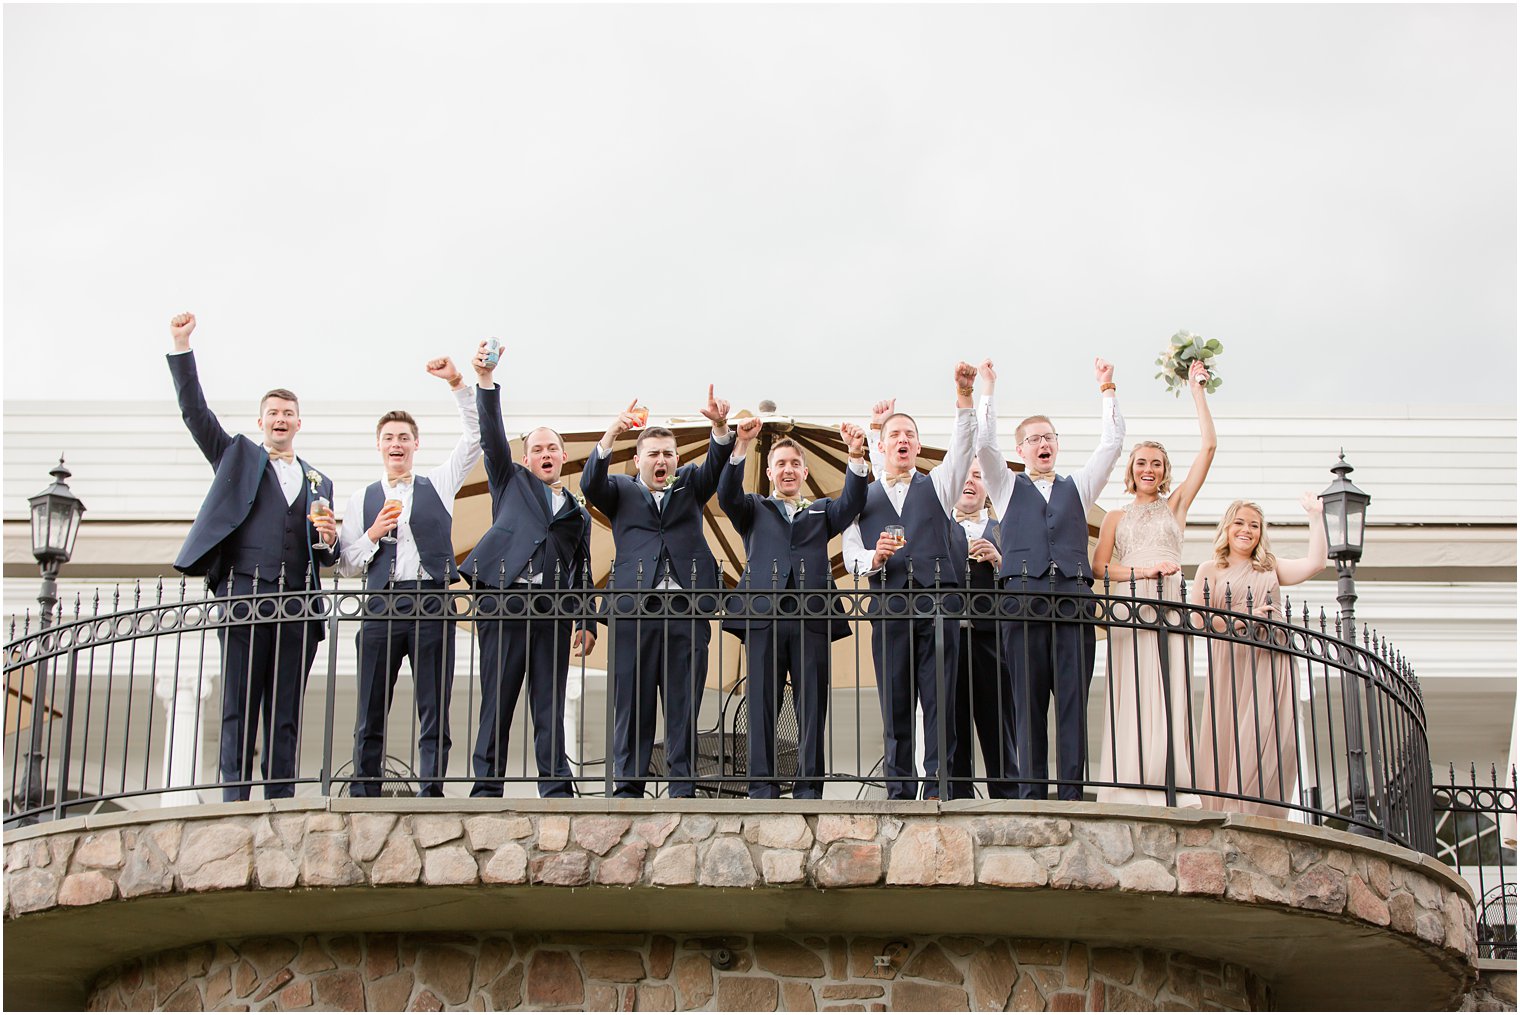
1043,520
659,542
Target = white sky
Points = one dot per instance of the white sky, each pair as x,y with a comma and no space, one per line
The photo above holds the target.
797,202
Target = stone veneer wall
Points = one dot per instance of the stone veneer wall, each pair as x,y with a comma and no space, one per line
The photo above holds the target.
639,972
325,849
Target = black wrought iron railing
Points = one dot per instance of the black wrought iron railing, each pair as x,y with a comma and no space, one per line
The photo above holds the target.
1206,699
1475,835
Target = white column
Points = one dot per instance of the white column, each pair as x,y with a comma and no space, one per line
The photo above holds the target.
184,698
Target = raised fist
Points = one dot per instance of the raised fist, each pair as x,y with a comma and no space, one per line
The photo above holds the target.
854,439
965,375
749,428
881,410
444,367
1103,369
986,373
180,326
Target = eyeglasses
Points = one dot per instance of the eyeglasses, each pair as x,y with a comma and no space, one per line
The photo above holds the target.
1040,438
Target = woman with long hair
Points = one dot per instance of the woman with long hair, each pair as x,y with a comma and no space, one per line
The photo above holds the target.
1140,549
1248,742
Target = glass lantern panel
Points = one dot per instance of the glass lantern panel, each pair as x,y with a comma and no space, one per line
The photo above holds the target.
40,519
1355,521
1335,524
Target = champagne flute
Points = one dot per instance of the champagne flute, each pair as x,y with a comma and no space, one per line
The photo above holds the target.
319,509
390,537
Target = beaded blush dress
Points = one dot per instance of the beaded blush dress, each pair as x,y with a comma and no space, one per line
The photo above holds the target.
1135,711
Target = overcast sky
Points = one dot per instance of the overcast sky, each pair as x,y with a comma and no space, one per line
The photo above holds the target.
794,201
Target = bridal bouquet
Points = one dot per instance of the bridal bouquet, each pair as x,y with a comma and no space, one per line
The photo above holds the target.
1178,357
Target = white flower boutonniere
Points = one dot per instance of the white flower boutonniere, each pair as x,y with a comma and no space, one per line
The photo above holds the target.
314,478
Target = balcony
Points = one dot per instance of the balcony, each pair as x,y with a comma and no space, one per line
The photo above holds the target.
1316,886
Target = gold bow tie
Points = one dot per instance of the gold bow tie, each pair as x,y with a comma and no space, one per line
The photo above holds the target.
281,456
1042,477
558,486
405,477
967,516
890,480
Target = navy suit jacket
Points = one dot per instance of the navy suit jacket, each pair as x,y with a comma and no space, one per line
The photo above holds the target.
642,534
776,549
240,465
520,521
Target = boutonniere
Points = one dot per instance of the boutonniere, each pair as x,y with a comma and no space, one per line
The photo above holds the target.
314,478
804,504
580,498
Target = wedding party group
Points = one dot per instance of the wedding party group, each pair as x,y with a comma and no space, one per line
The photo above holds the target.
946,684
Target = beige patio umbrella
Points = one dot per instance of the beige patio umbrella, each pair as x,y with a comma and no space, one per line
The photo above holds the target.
826,459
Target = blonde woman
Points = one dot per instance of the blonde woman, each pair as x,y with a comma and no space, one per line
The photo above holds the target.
1248,741
1142,543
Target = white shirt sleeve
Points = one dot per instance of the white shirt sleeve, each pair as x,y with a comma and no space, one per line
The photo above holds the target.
950,474
857,559
450,476
857,465
358,548
1093,476
995,472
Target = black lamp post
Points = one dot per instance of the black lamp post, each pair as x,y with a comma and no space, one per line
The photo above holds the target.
1345,529
55,524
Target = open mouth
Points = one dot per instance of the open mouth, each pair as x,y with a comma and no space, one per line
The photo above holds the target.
659,476
968,491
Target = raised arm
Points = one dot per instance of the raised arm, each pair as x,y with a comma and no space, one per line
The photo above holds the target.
1093,475
845,508
207,432
949,475
1301,569
596,479
1182,497
450,475
879,413
731,496
493,438
995,473
705,477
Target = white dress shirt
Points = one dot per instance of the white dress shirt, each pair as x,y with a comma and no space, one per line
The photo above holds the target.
289,475
447,478
1089,479
948,477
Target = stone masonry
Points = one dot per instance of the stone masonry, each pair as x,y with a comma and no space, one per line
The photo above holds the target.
639,972
331,850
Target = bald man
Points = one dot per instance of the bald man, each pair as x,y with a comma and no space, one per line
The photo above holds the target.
540,538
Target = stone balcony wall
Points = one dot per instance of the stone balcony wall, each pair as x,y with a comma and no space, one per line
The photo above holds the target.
656,972
1276,898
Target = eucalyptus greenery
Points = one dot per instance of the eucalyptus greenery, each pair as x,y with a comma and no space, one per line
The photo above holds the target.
1178,357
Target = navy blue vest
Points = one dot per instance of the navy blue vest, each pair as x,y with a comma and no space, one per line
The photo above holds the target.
1037,534
927,527
274,533
432,531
